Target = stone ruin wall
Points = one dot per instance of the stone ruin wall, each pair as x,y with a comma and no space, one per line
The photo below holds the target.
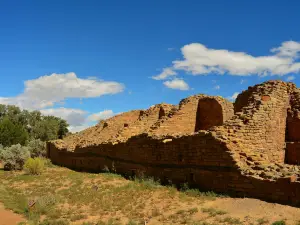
146,119
103,131
212,111
244,156
259,124
201,160
184,119
293,129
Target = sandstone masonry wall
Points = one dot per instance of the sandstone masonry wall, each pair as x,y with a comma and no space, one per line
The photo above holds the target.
212,111
103,131
244,156
293,129
260,122
182,121
146,119
202,160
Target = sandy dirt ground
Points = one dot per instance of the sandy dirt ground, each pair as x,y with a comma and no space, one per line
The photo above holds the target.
8,217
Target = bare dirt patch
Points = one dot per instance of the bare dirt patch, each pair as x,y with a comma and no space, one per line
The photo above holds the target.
7,217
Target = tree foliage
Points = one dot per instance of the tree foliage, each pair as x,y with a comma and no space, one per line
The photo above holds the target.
12,133
37,148
19,126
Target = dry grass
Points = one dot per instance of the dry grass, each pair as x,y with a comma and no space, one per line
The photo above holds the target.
61,196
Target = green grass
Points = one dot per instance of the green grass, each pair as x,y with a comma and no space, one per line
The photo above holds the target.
213,212
231,221
279,222
262,221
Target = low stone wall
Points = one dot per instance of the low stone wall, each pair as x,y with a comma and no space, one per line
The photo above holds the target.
200,160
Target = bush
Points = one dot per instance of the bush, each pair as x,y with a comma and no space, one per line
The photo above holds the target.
34,166
14,157
37,148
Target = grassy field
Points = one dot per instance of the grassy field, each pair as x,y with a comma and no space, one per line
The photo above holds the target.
61,196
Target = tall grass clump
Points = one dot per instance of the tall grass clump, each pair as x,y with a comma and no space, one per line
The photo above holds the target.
34,166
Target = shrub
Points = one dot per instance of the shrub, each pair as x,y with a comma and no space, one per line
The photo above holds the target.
37,148
34,166
14,157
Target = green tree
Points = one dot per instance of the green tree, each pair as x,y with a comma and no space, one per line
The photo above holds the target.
46,130
12,133
2,110
63,128
37,148
33,123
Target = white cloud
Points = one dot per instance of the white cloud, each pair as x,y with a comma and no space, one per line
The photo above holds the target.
290,78
177,84
75,117
100,116
217,87
233,97
47,90
200,60
167,72
74,129
289,49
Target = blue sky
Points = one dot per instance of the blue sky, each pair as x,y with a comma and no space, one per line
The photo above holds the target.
86,60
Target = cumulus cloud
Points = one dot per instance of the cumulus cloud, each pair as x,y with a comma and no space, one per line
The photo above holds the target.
78,119
74,129
178,84
290,78
288,49
75,117
233,97
100,115
200,60
47,90
167,72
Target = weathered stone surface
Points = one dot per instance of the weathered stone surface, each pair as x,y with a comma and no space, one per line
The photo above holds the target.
293,153
212,111
201,142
